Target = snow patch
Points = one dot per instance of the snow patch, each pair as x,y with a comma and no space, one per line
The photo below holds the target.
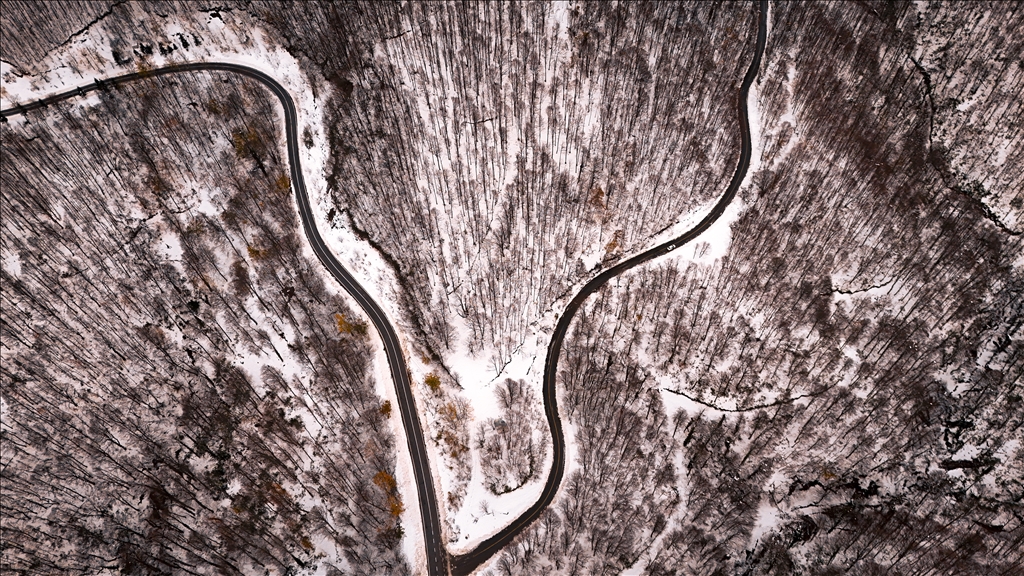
12,263
14,88
169,246
767,520
954,385
483,514
714,243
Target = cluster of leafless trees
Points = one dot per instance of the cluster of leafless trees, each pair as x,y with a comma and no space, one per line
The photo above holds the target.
35,28
448,424
182,391
88,36
973,83
513,446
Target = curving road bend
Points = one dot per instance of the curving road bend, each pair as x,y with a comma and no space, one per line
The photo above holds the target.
437,556
465,564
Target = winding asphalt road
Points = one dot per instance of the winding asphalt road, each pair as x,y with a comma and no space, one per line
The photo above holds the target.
465,564
437,556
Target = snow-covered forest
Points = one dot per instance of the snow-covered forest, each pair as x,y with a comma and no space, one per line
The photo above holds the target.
829,383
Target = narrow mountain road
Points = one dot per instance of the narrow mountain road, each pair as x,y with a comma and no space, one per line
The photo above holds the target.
437,556
465,564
